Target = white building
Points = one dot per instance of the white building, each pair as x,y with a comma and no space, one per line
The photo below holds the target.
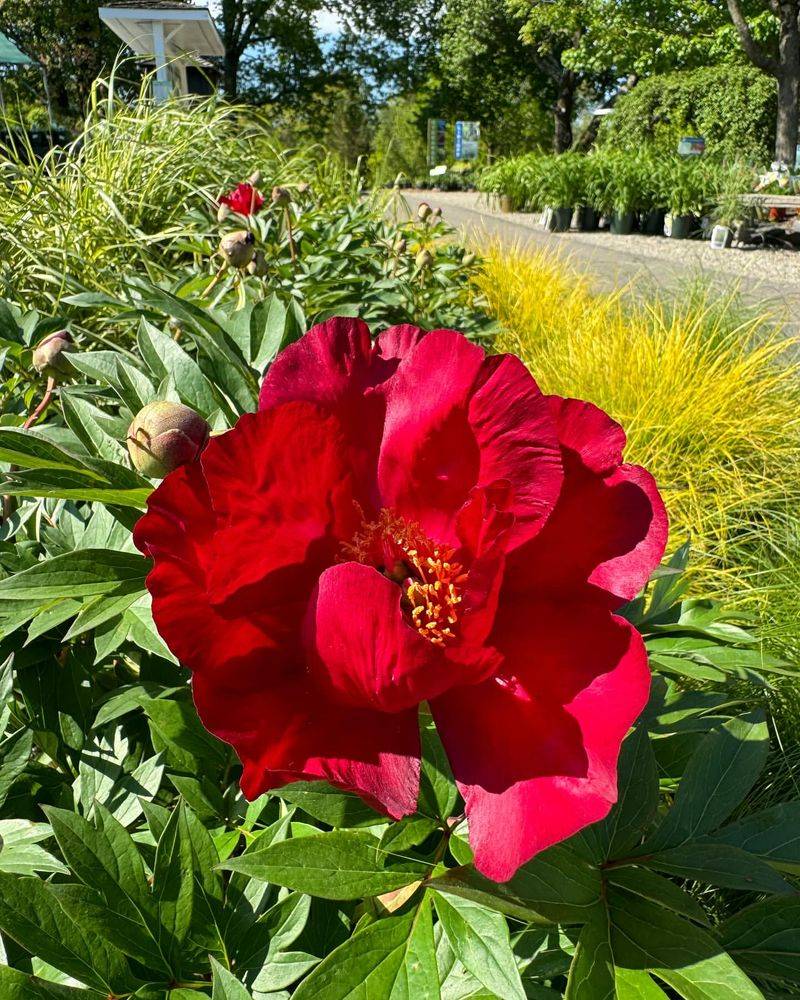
174,35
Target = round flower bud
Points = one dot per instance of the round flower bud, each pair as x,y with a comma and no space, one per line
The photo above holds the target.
303,187
424,259
402,246
49,355
223,212
281,196
468,258
423,211
437,212
164,436
238,248
258,265
255,178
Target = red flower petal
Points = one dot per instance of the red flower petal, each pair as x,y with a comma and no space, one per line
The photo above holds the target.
286,732
244,200
609,527
363,651
535,751
455,420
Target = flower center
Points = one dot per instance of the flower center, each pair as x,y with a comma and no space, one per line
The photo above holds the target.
431,581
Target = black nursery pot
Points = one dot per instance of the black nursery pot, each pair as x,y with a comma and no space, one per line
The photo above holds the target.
587,219
680,227
622,223
652,222
561,220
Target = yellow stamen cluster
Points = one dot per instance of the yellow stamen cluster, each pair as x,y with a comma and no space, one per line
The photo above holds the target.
431,580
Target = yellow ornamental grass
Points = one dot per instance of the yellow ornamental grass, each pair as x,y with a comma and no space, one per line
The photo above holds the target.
710,402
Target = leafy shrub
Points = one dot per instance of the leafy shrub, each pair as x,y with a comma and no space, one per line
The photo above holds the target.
734,107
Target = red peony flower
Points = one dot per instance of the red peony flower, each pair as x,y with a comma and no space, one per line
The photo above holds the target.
244,199
410,521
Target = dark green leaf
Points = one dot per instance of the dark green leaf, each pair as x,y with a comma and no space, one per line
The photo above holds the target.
337,865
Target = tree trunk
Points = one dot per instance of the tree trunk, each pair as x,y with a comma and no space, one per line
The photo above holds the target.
564,107
788,89
231,76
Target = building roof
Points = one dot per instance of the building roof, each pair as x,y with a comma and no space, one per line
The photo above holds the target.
10,55
149,4
188,30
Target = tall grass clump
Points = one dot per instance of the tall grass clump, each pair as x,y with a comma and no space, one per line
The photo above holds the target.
119,198
709,396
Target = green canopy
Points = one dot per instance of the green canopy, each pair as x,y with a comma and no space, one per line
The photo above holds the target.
10,54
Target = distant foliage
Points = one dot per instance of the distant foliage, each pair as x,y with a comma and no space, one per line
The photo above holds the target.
734,107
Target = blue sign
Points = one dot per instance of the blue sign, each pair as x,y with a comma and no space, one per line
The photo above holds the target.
466,140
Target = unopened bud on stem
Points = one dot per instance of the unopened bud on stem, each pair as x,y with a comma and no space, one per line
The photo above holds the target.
165,436
238,248
49,355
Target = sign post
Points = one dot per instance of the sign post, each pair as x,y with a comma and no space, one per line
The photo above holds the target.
437,142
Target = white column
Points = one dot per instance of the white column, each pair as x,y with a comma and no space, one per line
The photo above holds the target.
161,86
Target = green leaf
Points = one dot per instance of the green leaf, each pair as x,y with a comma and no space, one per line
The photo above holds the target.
637,803
328,804
84,420
591,975
679,953
16,985
20,852
225,985
634,984
719,775
105,858
16,754
393,959
337,865
658,890
166,359
719,864
176,728
173,885
765,938
773,834
559,884
32,450
479,938
30,914
82,573
437,791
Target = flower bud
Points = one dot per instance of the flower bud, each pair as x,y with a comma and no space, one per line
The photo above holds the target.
164,436
238,248
49,355
437,212
401,246
468,258
223,212
281,196
255,178
258,265
424,259
303,187
423,211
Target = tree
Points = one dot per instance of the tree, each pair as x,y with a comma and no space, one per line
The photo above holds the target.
486,73
781,61
67,39
603,47
396,41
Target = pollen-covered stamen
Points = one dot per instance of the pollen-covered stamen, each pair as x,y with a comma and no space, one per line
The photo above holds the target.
431,580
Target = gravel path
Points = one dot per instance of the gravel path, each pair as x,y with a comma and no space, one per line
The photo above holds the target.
770,278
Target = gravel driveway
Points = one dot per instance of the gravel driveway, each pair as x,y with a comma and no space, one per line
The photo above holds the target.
770,278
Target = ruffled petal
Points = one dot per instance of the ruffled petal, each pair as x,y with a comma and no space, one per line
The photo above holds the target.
456,420
363,651
287,732
534,749
609,528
